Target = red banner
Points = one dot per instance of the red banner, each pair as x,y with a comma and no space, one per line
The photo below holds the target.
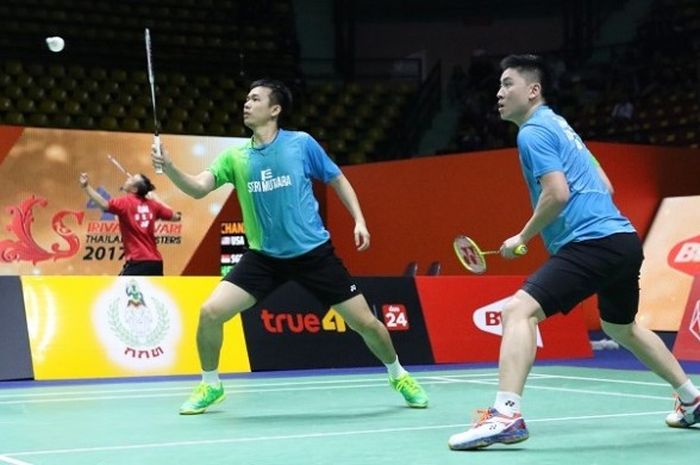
463,316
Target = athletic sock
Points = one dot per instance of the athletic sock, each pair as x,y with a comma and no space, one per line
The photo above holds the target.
507,403
687,392
211,378
395,369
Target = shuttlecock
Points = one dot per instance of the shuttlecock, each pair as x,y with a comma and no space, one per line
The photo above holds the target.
55,43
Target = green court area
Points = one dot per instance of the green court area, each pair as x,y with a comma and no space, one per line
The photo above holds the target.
575,416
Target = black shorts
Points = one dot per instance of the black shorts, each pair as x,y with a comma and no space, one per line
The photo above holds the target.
320,271
142,268
608,267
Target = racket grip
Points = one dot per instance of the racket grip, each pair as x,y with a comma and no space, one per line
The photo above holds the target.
520,250
158,167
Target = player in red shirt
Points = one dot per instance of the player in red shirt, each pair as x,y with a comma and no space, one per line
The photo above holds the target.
137,213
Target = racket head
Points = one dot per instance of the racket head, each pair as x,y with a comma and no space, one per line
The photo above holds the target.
469,254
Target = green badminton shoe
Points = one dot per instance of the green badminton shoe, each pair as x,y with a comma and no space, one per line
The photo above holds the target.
411,391
203,397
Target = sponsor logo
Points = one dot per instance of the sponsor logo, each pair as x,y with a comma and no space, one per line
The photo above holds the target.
282,322
488,319
137,324
26,248
268,182
685,256
395,317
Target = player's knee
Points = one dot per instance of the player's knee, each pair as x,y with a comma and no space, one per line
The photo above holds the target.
365,325
520,308
511,312
620,333
210,314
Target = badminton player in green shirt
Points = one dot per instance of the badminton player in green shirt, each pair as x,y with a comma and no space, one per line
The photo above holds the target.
272,176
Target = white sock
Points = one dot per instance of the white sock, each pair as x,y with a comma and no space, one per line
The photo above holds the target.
395,369
508,403
687,392
211,378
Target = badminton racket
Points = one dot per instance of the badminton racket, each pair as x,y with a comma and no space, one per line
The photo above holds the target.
151,82
473,258
118,165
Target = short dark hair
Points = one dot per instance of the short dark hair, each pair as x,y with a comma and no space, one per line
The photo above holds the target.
144,186
534,64
279,95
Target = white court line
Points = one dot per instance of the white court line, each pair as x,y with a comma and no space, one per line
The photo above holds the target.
577,391
10,460
230,389
233,385
470,378
156,445
605,380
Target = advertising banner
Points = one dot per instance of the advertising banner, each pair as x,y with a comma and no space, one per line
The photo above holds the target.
291,329
99,326
671,264
463,316
47,224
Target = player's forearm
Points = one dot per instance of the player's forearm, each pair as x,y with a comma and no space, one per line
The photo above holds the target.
187,183
96,197
347,196
548,208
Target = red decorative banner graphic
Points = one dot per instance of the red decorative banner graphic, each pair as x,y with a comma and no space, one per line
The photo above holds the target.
25,247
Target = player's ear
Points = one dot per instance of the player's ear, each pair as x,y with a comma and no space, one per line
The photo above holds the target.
535,90
276,110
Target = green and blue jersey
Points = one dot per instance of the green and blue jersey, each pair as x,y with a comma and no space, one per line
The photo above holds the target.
274,188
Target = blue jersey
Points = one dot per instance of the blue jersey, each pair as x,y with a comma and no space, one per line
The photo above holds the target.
546,143
274,188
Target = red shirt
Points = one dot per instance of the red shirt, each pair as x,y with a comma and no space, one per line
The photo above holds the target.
137,217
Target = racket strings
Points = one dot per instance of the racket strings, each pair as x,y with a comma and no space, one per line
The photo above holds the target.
470,255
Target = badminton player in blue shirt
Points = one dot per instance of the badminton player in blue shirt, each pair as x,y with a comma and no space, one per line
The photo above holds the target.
594,250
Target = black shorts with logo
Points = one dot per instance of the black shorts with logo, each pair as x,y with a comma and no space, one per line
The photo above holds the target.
608,267
142,268
319,270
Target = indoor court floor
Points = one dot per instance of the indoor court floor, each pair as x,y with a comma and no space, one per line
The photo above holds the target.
575,414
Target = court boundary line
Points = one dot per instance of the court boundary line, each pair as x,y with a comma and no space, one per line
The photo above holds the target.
203,442
11,461
226,385
466,378
577,391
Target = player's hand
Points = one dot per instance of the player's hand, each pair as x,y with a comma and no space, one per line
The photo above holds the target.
361,237
83,180
510,245
160,159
